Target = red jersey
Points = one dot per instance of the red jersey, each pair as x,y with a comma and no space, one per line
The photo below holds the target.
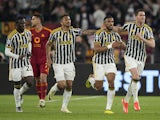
39,40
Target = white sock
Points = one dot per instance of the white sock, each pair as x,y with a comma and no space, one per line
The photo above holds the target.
92,81
16,93
66,98
110,98
129,94
24,88
54,88
135,90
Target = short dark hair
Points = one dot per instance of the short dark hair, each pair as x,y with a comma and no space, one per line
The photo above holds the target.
40,16
19,18
139,10
63,16
108,16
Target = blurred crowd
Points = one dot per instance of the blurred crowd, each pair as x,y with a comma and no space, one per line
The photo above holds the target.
86,14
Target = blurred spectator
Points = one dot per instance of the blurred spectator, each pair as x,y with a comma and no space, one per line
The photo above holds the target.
83,18
157,49
130,16
23,6
80,50
98,16
2,38
2,58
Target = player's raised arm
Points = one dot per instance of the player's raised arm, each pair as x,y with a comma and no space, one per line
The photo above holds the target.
88,32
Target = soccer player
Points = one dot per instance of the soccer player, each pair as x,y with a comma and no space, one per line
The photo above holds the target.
64,39
40,35
139,35
18,48
103,60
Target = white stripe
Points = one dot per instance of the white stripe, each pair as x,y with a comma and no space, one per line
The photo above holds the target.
76,99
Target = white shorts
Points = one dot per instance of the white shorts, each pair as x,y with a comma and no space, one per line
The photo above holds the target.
64,71
132,63
16,74
100,70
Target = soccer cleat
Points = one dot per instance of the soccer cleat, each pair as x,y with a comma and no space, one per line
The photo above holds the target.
88,84
65,110
19,109
125,106
137,106
42,103
51,93
108,112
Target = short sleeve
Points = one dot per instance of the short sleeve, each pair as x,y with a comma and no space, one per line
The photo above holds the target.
77,31
125,27
51,37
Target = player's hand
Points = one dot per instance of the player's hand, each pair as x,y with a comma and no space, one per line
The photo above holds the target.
49,62
139,37
119,45
122,46
29,55
116,44
21,57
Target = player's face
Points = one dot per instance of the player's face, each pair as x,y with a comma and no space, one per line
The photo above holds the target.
141,17
34,21
109,22
66,21
20,25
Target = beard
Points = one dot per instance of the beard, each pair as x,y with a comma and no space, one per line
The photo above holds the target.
20,30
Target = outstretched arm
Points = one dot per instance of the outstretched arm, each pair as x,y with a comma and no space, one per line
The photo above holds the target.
88,32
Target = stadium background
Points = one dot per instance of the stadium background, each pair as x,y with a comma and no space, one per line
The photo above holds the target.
82,15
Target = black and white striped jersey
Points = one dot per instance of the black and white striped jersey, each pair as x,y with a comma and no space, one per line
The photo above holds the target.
135,47
103,37
18,42
64,44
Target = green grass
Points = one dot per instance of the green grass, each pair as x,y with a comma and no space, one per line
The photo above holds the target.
83,108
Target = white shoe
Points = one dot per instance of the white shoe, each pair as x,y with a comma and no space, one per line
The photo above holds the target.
65,110
19,109
51,93
42,103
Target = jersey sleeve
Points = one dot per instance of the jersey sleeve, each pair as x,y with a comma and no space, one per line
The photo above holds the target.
77,31
117,37
125,27
51,37
98,37
9,43
149,34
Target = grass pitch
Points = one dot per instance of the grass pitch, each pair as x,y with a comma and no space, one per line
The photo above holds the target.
83,108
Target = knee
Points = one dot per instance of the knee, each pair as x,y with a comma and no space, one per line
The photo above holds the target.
30,81
68,88
43,78
17,85
111,84
61,86
98,86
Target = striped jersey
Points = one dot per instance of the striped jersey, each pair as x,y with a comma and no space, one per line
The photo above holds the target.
103,37
18,42
136,48
64,44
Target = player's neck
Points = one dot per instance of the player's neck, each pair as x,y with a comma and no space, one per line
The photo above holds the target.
39,27
65,29
139,24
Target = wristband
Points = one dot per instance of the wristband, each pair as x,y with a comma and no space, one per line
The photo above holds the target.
109,46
